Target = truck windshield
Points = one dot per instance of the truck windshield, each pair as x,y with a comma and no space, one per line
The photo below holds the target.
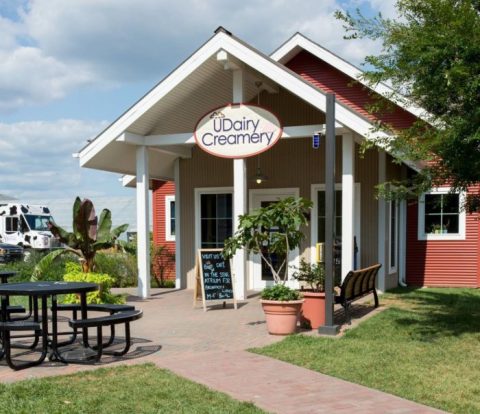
37,222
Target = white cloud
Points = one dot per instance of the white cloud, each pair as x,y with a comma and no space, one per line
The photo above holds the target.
329,33
57,46
36,161
28,76
9,31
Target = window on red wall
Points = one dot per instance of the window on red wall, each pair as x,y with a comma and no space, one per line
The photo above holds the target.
440,216
170,218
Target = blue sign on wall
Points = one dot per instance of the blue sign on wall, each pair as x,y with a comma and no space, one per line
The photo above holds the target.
316,141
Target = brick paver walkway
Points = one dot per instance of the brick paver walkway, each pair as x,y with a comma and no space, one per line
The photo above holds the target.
209,348
284,388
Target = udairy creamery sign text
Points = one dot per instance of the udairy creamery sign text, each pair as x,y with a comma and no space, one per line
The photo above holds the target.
238,131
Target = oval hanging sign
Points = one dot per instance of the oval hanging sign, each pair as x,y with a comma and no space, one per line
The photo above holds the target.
237,131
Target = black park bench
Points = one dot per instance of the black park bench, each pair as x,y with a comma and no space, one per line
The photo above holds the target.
357,284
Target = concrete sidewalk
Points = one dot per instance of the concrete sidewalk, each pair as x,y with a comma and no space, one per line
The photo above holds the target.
209,348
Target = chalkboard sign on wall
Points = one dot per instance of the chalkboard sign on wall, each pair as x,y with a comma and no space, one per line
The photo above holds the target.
214,277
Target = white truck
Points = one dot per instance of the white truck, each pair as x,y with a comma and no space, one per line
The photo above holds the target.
26,225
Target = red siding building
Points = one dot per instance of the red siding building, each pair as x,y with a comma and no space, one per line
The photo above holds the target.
163,195
441,242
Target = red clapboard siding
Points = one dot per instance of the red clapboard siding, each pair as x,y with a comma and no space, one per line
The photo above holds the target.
347,91
442,262
160,189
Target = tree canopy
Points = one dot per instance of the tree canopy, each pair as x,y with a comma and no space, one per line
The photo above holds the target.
430,57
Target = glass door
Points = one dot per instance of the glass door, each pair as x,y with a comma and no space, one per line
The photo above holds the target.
260,274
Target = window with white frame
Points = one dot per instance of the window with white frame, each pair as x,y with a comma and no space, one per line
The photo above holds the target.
440,215
170,218
393,236
215,219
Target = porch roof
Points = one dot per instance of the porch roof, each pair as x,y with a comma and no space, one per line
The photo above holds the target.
165,117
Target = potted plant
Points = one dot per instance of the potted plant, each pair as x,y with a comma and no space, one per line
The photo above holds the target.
312,314
272,232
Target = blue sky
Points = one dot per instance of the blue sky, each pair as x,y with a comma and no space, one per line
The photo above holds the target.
68,68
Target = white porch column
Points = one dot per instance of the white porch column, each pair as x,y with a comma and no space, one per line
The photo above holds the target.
239,195
178,223
143,225
348,204
382,214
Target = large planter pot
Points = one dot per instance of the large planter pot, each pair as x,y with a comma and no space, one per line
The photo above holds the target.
281,317
313,309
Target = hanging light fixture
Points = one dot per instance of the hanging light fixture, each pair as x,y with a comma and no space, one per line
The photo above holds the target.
259,177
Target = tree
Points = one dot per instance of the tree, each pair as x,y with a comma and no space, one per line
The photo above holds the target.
89,235
269,231
430,57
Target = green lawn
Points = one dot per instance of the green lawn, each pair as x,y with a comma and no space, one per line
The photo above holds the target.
425,347
134,389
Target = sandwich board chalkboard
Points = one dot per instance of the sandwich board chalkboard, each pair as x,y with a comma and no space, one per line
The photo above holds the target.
214,279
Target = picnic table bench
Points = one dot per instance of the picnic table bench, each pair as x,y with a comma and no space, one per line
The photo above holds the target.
357,284
110,320
96,307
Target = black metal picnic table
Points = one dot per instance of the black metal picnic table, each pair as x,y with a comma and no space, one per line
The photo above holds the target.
43,290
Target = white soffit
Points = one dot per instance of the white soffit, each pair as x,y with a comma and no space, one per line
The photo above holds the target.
207,87
299,42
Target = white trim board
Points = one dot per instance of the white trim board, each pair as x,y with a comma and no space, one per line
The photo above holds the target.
172,143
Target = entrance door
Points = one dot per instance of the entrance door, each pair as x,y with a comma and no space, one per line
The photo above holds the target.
260,273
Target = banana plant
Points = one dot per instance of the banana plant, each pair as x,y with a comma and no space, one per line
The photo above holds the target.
89,235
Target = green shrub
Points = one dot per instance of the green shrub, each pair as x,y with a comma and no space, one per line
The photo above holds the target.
25,268
280,292
312,274
161,260
121,266
103,295
155,283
